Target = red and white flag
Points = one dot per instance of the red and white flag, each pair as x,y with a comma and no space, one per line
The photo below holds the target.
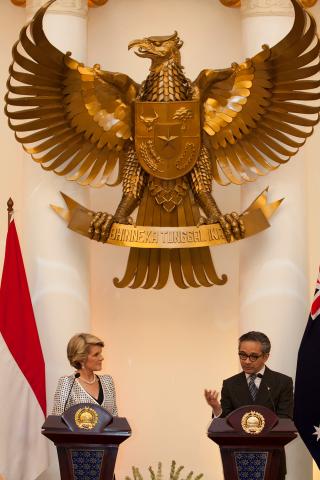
23,450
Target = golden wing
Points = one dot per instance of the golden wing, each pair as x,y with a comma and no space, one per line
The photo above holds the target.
80,118
255,120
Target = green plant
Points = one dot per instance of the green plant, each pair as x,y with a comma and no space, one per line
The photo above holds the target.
175,473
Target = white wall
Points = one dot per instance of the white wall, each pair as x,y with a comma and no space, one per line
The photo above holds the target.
163,348
11,20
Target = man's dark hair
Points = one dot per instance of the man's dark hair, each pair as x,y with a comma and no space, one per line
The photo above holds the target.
257,337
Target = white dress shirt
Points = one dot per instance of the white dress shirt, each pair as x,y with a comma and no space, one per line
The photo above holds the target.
257,380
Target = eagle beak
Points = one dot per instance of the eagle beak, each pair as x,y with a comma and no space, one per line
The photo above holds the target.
140,47
133,43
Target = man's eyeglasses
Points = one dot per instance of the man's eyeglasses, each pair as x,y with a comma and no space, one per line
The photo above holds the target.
252,357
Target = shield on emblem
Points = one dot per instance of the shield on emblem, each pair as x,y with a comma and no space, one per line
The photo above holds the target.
167,137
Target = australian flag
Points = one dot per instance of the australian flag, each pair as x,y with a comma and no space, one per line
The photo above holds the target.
307,385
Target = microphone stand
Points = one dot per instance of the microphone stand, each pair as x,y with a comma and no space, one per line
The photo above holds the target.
77,375
270,396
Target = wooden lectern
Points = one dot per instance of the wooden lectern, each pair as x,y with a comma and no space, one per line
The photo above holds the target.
251,441
87,438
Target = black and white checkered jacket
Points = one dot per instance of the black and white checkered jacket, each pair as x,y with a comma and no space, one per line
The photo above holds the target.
79,395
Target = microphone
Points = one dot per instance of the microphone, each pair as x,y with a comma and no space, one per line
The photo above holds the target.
76,375
270,396
259,375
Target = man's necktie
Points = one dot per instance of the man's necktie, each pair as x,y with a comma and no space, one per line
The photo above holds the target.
253,389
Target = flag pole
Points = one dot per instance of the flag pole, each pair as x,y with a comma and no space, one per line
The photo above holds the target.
10,210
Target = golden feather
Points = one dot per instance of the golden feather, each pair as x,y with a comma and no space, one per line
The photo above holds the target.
80,116
254,120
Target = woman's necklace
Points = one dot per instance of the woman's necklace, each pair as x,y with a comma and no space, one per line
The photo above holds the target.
89,382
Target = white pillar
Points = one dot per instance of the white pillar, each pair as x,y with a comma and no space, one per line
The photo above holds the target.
57,260
273,264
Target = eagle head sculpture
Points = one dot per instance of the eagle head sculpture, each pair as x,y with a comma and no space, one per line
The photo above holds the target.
158,48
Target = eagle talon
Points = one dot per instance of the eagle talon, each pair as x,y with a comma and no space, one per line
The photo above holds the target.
100,226
232,224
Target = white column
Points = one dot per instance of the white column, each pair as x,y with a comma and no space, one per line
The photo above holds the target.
273,264
57,260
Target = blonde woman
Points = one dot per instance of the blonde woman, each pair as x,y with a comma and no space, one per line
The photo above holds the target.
84,353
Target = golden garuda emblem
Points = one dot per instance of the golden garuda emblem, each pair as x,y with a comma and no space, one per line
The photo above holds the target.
253,422
86,418
165,140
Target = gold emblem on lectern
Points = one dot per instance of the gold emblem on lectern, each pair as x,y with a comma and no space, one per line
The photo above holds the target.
86,418
253,422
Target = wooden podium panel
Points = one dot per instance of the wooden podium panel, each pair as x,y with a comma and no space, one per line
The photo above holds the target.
252,456
87,453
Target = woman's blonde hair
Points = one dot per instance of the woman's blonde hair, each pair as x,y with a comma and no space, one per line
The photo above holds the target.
79,346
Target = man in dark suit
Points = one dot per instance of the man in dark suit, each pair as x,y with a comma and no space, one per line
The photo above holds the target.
256,384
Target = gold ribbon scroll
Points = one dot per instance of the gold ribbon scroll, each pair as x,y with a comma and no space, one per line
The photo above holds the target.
255,219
